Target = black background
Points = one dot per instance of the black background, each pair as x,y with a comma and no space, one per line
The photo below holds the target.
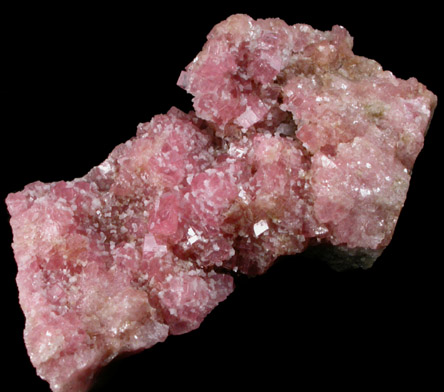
76,81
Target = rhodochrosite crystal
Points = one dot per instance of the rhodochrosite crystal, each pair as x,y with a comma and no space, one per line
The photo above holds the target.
294,142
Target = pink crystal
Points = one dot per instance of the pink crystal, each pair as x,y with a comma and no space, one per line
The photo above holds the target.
294,142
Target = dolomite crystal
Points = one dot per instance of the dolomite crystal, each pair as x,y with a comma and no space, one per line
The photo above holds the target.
294,142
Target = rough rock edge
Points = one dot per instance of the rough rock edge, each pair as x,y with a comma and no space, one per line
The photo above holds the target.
342,258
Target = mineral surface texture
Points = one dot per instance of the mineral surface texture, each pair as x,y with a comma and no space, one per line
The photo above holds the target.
294,142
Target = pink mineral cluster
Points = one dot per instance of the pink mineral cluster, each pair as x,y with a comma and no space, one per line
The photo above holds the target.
294,142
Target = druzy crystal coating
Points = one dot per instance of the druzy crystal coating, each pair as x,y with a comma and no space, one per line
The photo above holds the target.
294,142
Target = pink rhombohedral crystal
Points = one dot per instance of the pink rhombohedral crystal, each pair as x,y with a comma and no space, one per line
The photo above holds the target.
295,142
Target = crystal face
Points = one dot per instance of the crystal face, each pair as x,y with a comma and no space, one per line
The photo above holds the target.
295,142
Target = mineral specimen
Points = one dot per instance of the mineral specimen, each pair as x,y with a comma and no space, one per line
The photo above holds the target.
294,142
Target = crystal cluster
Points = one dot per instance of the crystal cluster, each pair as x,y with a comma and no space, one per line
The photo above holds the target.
294,142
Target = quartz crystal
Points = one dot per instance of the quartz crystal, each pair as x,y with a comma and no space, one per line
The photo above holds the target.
294,142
